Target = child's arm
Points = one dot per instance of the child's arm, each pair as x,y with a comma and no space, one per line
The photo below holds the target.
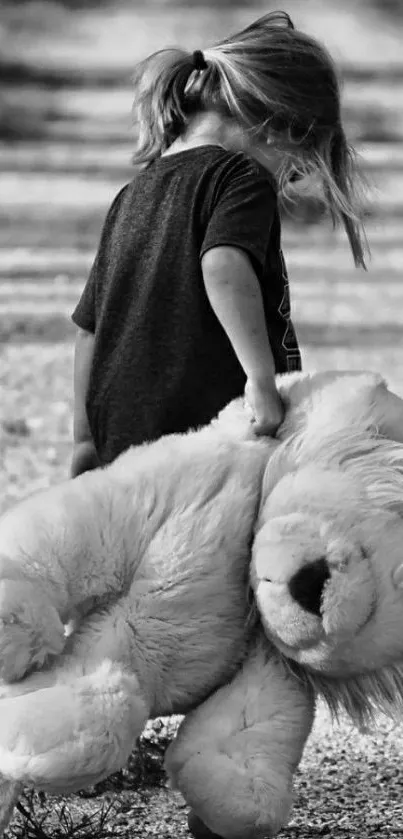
234,294
84,453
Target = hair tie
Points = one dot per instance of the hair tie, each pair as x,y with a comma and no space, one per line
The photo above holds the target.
199,61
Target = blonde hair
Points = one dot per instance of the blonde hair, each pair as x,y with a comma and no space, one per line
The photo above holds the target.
279,85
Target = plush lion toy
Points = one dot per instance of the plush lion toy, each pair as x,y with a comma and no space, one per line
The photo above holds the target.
130,593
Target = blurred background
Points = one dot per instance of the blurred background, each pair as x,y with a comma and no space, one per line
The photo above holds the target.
65,149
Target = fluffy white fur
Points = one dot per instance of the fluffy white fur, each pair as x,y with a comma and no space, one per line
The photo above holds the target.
336,491
148,563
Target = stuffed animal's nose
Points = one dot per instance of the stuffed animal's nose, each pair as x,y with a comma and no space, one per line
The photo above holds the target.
306,586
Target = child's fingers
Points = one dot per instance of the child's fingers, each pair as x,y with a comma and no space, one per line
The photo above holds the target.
249,410
261,424
265,427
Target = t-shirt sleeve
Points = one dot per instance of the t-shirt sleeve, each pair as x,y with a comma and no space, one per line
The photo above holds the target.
243,211
84,314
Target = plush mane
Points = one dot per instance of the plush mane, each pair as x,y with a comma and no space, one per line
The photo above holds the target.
363,697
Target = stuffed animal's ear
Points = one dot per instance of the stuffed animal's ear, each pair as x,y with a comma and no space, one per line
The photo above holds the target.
349,423
332,401
388,413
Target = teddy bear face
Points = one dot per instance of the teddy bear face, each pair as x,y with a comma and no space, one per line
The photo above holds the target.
327,573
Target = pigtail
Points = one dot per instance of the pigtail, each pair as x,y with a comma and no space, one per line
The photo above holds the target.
159,109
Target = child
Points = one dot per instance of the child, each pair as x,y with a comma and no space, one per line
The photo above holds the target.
187,304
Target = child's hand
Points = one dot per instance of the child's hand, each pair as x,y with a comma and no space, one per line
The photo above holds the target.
264,402
84,458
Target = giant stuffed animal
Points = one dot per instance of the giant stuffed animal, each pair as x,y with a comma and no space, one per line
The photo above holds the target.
214,574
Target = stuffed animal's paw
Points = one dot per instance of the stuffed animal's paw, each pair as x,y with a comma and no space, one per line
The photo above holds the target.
229,796
30,629
63,729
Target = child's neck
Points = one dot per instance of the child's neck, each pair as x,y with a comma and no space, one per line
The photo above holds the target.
211,129
207,129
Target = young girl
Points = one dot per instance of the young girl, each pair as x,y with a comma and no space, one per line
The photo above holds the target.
187,304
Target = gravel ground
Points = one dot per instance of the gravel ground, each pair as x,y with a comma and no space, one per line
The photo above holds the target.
350,786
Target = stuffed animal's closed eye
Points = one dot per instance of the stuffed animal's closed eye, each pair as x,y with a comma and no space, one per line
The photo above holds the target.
150,561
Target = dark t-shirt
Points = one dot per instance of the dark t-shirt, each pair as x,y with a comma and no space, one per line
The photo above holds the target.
162,361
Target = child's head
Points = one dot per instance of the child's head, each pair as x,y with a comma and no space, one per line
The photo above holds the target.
276,84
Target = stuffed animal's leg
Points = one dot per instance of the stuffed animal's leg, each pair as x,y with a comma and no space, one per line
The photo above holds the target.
65,736
235,756
74,724
59,559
